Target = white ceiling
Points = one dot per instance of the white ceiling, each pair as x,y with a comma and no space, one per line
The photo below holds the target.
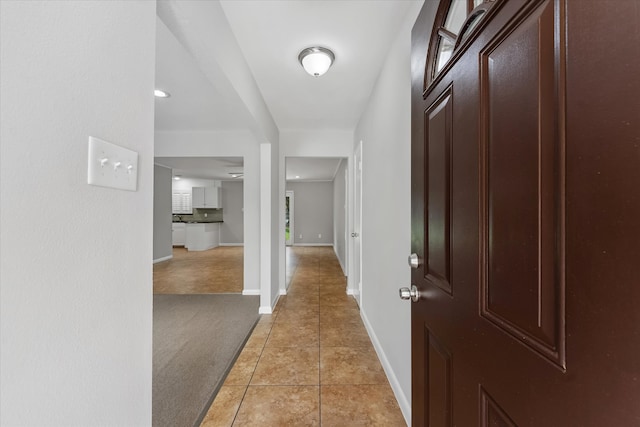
219,168
222,168
194,103
271,34
311,169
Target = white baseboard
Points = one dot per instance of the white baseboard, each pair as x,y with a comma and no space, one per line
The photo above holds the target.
403,400
269,310
344,270
265,310
165,258
283,291
251,292
353,292
231,244
313,244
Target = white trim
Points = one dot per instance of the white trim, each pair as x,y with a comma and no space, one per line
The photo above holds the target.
231,244
265,310
313,244
166,258
251,292
269,310
283,291
266,162
356,265
339,260
353,292
347,211
403,401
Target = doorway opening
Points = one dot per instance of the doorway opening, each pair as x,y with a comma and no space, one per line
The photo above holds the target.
319,215
289,229
207,221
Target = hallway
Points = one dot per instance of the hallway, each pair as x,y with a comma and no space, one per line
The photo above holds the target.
311,362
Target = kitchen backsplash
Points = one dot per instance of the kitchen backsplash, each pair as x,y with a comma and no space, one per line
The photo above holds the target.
212,215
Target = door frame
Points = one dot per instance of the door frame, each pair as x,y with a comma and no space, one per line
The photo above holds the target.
356,227
290,195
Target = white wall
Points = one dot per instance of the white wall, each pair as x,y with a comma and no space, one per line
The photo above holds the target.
188,183
385,129
316,143
269,226
232,229
76,289
162,208
340,214
204,31
313,212
227,144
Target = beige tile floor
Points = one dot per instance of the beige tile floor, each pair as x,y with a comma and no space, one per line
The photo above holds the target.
217,270
311,362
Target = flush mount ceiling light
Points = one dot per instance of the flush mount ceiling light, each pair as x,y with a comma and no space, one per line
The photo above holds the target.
316,60
161,93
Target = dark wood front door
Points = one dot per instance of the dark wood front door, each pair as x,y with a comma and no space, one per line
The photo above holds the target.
526,216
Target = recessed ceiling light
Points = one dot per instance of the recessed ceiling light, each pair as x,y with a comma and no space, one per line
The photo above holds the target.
161,93
316,60
177,177
297,176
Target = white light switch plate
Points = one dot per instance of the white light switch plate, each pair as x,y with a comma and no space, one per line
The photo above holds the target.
112,166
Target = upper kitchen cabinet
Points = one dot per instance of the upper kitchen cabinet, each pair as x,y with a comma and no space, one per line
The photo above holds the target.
206,197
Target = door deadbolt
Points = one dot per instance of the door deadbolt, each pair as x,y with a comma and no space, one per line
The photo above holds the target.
414,261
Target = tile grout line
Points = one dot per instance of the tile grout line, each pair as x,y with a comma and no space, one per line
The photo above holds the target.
254,370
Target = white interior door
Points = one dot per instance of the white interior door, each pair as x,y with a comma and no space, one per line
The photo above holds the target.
357,223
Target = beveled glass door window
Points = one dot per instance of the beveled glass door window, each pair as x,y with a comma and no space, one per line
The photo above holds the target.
455,21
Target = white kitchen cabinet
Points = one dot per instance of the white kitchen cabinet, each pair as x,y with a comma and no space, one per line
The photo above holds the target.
179,233
205,197
202,236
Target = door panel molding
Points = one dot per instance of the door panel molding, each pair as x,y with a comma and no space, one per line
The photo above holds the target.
438,139
522,284
438,398
492,414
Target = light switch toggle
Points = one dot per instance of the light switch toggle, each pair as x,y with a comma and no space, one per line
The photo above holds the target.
105,153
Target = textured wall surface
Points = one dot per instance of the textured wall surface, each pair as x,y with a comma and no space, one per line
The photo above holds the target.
232,230
313,212
76,289
385,131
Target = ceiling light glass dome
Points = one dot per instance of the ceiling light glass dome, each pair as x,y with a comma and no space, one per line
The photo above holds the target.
316,60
